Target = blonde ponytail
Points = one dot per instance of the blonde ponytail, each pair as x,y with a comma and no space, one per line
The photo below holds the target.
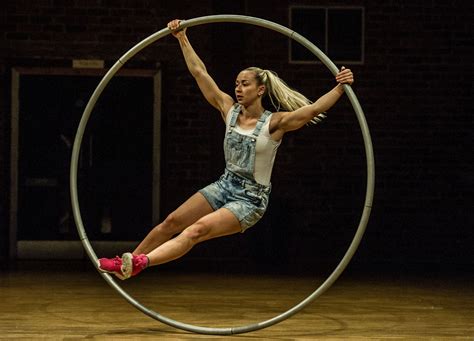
280,94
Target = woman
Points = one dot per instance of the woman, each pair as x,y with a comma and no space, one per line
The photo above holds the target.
240,197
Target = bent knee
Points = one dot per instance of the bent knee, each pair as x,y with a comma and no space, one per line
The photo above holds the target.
171,225
196,232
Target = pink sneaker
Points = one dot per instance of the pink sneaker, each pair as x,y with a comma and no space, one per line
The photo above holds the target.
111,266
133,265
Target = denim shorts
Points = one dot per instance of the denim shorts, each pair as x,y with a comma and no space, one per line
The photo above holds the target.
246,199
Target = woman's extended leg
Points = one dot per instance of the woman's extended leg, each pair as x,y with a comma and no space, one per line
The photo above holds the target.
216,224
185,215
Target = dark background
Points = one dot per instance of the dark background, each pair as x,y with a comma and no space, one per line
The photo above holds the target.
415,87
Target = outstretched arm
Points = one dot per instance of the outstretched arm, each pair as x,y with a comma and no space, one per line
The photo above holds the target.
288,121
217,98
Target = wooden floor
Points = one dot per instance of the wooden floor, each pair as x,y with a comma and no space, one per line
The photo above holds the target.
49,303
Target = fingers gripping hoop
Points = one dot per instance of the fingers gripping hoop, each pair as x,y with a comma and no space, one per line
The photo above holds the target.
368,196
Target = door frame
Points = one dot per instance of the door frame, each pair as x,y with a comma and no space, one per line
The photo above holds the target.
16,74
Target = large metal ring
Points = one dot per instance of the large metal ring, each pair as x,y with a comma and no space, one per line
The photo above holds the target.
368,151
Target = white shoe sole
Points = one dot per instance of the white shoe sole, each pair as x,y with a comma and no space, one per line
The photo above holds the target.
127,265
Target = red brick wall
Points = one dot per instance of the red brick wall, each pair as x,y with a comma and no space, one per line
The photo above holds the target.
415,88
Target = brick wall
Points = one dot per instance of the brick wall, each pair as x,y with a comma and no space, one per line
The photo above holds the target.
414,86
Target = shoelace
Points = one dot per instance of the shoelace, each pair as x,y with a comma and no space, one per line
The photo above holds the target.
139,261
117,260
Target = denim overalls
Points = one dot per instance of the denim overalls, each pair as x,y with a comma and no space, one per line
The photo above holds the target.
237,189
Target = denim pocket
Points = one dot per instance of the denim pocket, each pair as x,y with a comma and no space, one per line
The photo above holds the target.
253,197
239,151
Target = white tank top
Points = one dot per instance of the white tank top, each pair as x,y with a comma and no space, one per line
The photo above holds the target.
266,149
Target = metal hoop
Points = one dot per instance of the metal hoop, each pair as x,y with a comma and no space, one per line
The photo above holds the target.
368,196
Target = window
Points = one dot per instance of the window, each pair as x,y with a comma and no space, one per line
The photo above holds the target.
337,31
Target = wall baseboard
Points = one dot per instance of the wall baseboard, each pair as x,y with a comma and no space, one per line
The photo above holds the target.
71,249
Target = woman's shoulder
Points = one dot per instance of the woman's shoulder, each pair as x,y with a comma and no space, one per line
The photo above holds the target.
276,116
235,107
274,125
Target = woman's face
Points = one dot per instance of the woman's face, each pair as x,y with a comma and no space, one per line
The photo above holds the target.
247,91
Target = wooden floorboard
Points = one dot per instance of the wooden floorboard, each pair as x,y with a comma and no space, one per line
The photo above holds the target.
43,303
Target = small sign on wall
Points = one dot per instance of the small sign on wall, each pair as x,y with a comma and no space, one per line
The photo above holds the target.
87,63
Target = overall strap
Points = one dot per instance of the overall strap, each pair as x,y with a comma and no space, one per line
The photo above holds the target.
261,122
235,115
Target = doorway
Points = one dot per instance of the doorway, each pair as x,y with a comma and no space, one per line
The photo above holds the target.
118,175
